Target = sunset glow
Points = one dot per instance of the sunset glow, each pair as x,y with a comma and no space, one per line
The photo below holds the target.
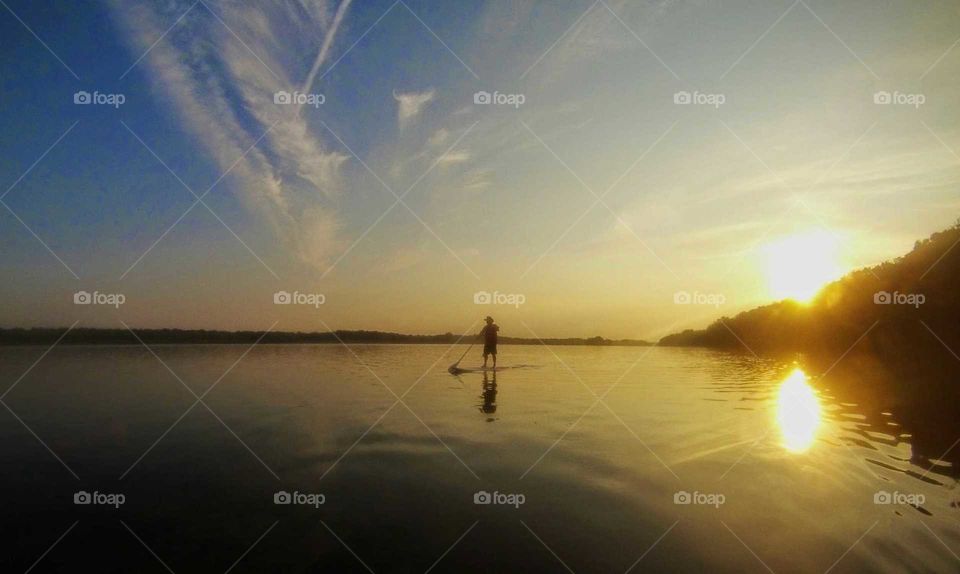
798,412
799,265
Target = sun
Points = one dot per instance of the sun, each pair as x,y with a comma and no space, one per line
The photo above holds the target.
797,266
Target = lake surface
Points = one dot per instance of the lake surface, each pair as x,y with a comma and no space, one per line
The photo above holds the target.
588,456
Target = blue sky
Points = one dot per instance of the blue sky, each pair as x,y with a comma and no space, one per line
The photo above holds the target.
501,198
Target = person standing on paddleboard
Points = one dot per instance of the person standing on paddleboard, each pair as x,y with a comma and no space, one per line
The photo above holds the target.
489,334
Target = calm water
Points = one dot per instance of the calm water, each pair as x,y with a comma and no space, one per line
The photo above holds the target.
781,475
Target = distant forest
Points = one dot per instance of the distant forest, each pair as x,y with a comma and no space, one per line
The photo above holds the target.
87,336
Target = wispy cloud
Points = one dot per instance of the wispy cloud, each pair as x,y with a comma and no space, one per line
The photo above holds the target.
221,67
438,137
411,104
455,157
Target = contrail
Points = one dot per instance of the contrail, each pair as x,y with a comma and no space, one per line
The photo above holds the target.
327,42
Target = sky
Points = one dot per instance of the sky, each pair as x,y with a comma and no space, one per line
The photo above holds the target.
617,168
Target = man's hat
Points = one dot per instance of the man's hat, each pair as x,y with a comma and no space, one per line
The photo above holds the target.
489,319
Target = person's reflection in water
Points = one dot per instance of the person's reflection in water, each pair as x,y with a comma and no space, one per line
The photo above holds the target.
489,395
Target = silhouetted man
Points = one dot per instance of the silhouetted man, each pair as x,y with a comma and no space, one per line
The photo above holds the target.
489,334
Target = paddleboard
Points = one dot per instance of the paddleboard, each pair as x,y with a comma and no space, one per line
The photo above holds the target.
458,370
481,369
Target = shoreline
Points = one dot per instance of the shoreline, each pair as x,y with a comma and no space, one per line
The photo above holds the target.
120,337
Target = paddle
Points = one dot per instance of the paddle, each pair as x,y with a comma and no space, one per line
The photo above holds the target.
452,369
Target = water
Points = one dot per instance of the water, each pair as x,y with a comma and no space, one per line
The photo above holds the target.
782,473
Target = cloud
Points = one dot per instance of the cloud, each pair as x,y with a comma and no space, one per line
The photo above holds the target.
478,179
327,43
454,157
438,137
411,104
222,90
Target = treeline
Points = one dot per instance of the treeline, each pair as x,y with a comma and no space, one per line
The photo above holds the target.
90,336
886,338
903,311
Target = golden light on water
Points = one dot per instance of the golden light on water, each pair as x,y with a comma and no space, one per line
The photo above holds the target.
799,265
798,412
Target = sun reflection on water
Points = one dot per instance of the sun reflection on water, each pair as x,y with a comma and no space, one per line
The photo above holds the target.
798,412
